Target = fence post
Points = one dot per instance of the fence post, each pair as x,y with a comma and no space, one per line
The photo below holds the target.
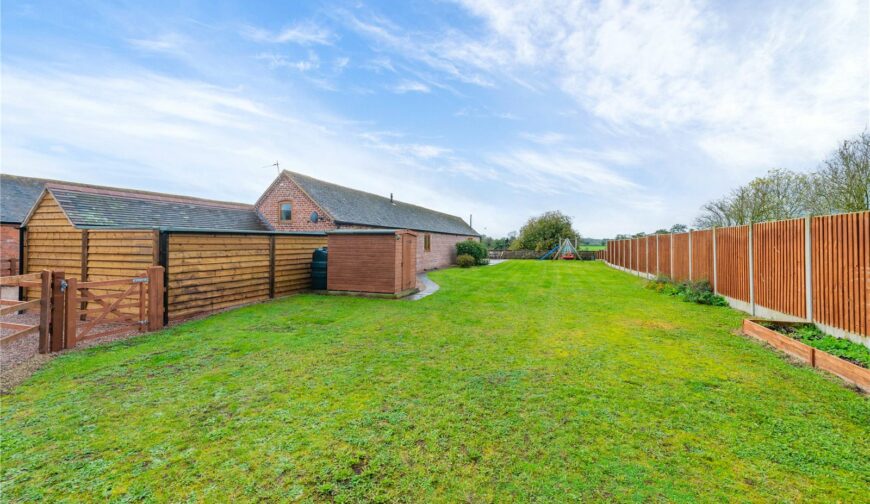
155,298
751,271
71,329
715,267
271,266
657,255
690,255
57,313
646,246
808,266
671,255
44,311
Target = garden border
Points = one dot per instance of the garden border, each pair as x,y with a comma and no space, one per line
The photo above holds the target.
843,369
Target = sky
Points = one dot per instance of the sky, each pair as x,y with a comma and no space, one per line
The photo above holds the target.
626,116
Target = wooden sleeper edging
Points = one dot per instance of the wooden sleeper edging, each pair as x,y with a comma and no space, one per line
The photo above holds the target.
816,358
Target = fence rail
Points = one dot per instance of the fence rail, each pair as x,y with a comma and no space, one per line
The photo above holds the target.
814,269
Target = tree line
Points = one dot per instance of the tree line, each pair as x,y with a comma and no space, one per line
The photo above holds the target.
840,184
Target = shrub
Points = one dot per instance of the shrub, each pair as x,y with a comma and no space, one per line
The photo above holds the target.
700,292
473,248
465,260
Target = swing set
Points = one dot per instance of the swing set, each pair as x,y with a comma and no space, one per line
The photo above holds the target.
564,250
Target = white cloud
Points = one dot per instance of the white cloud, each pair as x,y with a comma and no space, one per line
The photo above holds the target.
280,61
166,43
782,89
174,135
545,138
409,86
304,33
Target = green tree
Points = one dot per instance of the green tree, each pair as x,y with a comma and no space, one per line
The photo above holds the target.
543,232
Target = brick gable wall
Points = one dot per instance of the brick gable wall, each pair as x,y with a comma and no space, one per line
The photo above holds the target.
442,252
286,190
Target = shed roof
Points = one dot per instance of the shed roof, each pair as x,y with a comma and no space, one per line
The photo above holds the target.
89,207
17,196
351,206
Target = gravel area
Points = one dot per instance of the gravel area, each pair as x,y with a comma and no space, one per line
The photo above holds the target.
20,359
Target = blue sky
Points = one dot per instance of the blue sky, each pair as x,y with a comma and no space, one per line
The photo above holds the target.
626,116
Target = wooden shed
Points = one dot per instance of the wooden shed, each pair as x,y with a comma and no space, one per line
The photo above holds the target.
381,261
215,254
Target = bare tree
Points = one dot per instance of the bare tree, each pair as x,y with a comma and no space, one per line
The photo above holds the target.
842,183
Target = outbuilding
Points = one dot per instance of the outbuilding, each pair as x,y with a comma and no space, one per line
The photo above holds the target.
372,261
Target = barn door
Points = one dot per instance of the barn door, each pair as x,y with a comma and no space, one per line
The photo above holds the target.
409,246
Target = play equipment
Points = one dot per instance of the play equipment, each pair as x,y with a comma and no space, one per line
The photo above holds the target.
564,250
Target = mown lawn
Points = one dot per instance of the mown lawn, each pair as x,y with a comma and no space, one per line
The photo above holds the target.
525,381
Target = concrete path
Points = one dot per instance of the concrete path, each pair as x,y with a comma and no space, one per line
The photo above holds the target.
427,287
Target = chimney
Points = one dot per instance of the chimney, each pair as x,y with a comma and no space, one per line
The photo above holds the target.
391,198
470,217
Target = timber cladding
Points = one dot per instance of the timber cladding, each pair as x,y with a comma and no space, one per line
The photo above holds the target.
205,272
208,272
293,262
378,263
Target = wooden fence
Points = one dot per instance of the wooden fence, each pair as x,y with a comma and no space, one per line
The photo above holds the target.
71,311
811,269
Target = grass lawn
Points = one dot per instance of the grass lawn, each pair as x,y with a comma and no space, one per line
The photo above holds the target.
592,248
531,380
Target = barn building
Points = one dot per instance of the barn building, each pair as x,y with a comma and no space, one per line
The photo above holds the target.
297,202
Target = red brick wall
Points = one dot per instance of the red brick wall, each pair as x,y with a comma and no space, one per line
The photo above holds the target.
8,244
283,191
441,255
442,252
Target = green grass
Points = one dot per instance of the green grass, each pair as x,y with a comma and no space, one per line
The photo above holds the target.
592,247
550,381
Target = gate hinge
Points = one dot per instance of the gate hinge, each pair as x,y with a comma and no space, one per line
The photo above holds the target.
63,285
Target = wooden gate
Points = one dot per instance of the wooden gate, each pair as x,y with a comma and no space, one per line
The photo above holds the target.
42,304
110,307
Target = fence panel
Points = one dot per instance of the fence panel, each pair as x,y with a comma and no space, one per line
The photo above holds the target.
680,259
841,271
702,255
732,262
664,255
210,272
778,266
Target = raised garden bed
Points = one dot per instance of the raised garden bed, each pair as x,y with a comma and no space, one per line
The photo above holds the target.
853,371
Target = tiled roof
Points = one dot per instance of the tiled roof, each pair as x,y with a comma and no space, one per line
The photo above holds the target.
350,206
120,209
17,195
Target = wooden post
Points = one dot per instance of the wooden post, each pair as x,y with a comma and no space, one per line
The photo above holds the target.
271,266
84,275
57,313
164,285
142,299
71,329
44,311
690,255
671,255
155,298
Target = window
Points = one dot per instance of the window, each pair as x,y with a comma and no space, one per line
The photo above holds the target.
427,242
286,211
